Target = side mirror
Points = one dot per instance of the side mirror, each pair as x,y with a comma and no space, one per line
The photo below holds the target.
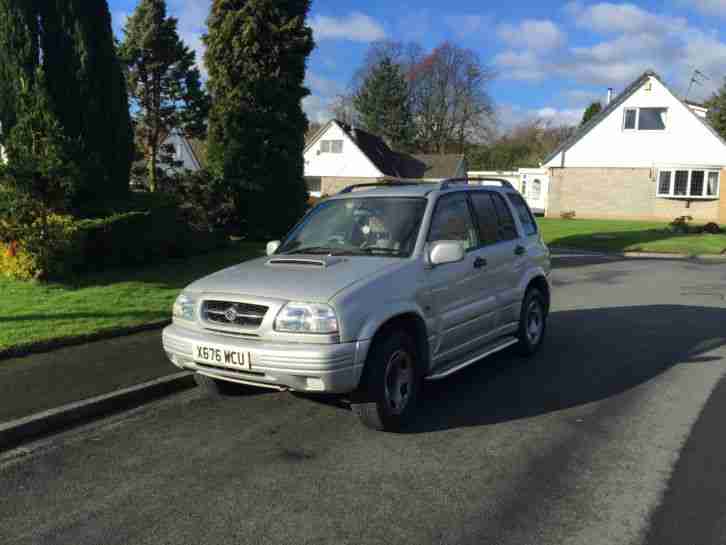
446,251
272,247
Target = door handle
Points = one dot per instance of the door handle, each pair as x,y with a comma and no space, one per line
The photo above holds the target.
520,250
480,262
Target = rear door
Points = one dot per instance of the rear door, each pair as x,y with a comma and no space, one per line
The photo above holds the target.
502,255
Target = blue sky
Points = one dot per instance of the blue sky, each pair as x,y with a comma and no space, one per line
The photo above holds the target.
551,57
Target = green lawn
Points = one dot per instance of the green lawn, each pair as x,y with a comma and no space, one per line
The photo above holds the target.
626,236
32,312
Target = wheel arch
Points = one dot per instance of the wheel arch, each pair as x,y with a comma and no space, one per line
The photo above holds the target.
540,282
414,325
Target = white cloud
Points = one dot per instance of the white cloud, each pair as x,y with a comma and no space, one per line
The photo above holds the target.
356,27
521,65
560,117
464,26
532,34
511,116
318,109
611,18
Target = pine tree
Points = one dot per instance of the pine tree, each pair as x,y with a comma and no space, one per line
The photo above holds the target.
164,83
83,83
256,55
591,111
19,54
383,105
717,110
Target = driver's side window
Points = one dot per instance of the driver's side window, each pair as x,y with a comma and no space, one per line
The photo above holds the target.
452,221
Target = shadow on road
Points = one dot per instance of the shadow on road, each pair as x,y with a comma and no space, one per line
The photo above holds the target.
589,355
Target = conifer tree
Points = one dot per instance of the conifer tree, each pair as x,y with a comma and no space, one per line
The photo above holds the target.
383,105
256,56
164,83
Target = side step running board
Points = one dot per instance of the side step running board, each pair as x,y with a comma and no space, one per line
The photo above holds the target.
505,343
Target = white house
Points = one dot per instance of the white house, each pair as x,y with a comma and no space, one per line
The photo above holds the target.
184,151
532,183
340,155
647,155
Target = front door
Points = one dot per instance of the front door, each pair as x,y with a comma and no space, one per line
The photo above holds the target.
454,288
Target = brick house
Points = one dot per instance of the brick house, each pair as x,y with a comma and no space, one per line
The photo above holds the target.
340,155
647,155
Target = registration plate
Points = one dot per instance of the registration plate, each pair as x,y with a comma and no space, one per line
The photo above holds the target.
223,356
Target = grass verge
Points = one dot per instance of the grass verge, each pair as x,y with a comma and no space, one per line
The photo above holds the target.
33,312
627,236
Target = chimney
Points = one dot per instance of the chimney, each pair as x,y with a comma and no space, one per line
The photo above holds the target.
610,96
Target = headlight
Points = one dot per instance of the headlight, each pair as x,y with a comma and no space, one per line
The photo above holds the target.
184,307
306,318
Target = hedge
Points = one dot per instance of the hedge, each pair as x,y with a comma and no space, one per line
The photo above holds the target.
126,239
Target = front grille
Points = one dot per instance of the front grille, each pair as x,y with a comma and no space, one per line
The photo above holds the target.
231,313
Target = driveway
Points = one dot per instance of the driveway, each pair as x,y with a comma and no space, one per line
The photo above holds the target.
582,444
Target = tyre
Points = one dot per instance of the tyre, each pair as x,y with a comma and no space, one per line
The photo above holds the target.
387,396
532,322
217,388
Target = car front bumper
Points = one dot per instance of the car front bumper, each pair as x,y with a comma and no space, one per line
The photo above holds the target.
330,368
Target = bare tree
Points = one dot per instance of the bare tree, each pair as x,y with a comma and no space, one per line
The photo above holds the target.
450,99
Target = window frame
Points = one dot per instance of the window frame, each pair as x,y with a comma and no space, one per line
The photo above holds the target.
625,117
511,197
672,184
637,128
472,219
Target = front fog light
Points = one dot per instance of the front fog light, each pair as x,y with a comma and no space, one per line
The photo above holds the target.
306,318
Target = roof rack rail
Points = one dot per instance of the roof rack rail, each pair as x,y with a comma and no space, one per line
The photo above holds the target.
392,183
445,184
486,181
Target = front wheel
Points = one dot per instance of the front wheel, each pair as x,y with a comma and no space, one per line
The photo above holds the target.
532,322
387,397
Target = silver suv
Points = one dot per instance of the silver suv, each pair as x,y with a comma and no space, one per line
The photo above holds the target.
375,290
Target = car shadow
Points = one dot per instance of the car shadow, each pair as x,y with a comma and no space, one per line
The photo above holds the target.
589,355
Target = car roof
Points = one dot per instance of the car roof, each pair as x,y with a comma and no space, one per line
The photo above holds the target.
421,189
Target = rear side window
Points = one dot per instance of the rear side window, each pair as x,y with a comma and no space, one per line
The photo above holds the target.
486,216
525,216
507,229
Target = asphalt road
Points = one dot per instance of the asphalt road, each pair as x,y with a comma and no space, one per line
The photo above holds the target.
612,435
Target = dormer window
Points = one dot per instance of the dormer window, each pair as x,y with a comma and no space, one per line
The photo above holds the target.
331,146
645,119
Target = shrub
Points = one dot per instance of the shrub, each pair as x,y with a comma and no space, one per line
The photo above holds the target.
205,202
134,238
712,228
681,224
73,246
48,248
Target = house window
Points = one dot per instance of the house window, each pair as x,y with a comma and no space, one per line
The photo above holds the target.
712,186
313,184
681,185
652,119
331,146
631,115
645,119
695,184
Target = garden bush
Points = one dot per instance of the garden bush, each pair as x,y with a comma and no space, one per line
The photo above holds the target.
73,246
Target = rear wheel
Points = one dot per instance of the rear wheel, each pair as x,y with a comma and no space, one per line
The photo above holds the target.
389,390
532,322
217,388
